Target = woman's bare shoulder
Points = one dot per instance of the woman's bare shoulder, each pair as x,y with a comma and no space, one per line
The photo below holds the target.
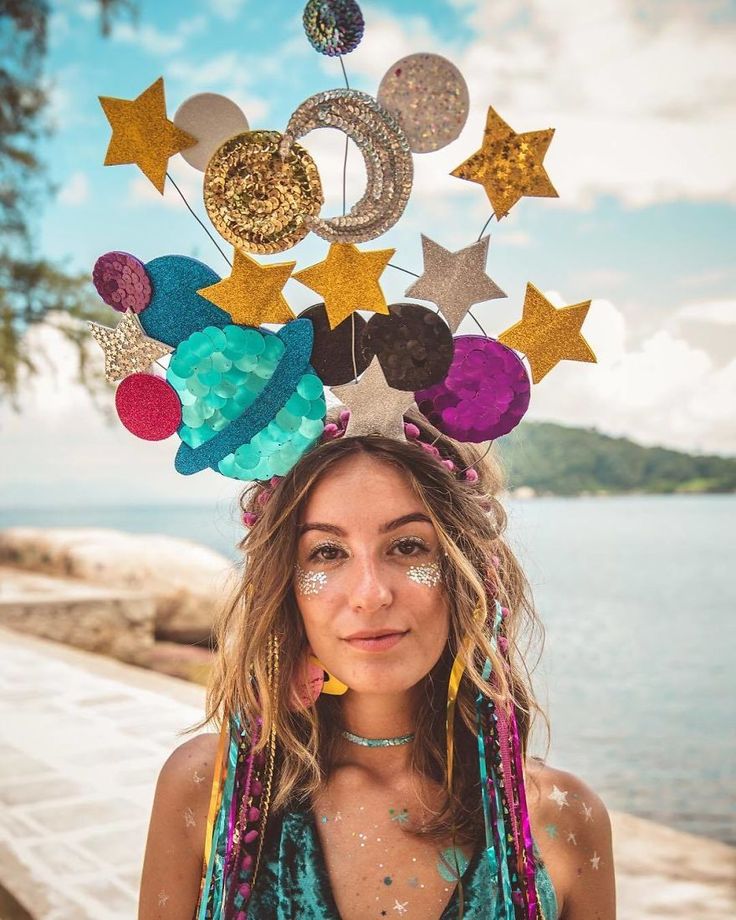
176,833
192,762
571,825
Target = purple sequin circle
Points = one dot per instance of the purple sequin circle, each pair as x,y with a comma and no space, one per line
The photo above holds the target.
122,281
333,27
484,395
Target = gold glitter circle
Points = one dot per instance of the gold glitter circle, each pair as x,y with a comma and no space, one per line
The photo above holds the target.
258,199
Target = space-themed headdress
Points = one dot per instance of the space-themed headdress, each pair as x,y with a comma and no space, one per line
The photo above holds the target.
248,401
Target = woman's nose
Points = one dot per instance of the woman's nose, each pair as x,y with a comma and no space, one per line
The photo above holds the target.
369,589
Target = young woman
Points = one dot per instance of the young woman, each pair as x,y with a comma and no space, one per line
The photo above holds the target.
376,571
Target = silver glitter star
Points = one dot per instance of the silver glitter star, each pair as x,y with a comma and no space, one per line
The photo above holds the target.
375,407
558,796
128,350
454,280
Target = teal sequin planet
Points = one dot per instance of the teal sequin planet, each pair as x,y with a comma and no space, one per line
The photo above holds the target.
219,374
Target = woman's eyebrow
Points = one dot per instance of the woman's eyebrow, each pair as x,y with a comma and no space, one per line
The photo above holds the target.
415,516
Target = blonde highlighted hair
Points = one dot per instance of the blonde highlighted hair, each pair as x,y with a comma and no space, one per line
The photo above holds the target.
479,568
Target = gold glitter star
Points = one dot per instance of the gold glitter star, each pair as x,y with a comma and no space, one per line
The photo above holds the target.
142,134
127,348
347,280
547,335
509,165
375,407
253,293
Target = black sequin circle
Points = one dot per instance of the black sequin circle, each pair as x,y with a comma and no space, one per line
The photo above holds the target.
413,344
332,352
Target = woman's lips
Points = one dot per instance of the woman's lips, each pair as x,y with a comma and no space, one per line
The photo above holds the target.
380,644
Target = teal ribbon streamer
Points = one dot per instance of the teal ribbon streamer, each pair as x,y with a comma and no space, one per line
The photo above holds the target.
495,860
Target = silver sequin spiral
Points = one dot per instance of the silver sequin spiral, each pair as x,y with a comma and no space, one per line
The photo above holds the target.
385,149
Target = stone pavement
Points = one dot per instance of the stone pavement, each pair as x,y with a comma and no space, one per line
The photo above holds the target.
82,739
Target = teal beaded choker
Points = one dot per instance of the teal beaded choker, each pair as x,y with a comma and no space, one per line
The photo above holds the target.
377,742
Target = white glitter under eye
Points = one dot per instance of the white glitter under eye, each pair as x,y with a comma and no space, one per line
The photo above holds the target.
309,583
428,574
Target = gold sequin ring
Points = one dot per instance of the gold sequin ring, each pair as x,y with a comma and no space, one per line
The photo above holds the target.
385,149
309,583
259,198
429,574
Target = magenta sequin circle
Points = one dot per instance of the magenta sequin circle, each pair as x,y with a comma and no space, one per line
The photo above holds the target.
484,395
122,281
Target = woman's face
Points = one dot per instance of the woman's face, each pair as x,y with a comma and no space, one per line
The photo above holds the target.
368,563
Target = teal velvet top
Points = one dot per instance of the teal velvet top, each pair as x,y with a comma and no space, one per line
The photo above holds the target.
293,881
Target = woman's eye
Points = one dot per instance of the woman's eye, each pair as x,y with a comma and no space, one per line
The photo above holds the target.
411,546
325,553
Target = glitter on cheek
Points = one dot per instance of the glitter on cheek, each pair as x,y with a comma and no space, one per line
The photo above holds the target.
428,574
309,583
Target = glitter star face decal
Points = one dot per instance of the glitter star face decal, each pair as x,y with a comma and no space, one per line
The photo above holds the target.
348,281
375,408
547,335
142,134
429,575
595,860
588,811
454,280
252,295
127,348
309,584
401,907
509,165
559,797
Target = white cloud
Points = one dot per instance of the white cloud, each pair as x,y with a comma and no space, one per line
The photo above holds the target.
224,73
663,390
644,106
61,450
719,312
75,190
157,41
189,180
229,10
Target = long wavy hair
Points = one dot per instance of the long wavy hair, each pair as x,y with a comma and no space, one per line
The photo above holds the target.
479,568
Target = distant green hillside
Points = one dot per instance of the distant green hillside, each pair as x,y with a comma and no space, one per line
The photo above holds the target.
552,459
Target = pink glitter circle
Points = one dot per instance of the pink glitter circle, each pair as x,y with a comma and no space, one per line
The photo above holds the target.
148,407
484,395
122,281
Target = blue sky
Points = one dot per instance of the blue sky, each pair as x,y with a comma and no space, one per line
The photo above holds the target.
643,99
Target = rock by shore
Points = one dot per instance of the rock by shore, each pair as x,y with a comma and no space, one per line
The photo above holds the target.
184,581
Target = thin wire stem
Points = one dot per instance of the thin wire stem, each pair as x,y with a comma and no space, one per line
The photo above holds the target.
181,195
344,72
472,316
485,227
405,270
355,363
483,457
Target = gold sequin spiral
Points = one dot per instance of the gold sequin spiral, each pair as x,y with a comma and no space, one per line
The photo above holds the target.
258,199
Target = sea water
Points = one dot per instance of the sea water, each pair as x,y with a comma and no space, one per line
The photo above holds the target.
638,599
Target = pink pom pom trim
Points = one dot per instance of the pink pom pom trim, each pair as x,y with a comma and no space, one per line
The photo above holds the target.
332,431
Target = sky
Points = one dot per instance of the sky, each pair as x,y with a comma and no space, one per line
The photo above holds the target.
642,96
